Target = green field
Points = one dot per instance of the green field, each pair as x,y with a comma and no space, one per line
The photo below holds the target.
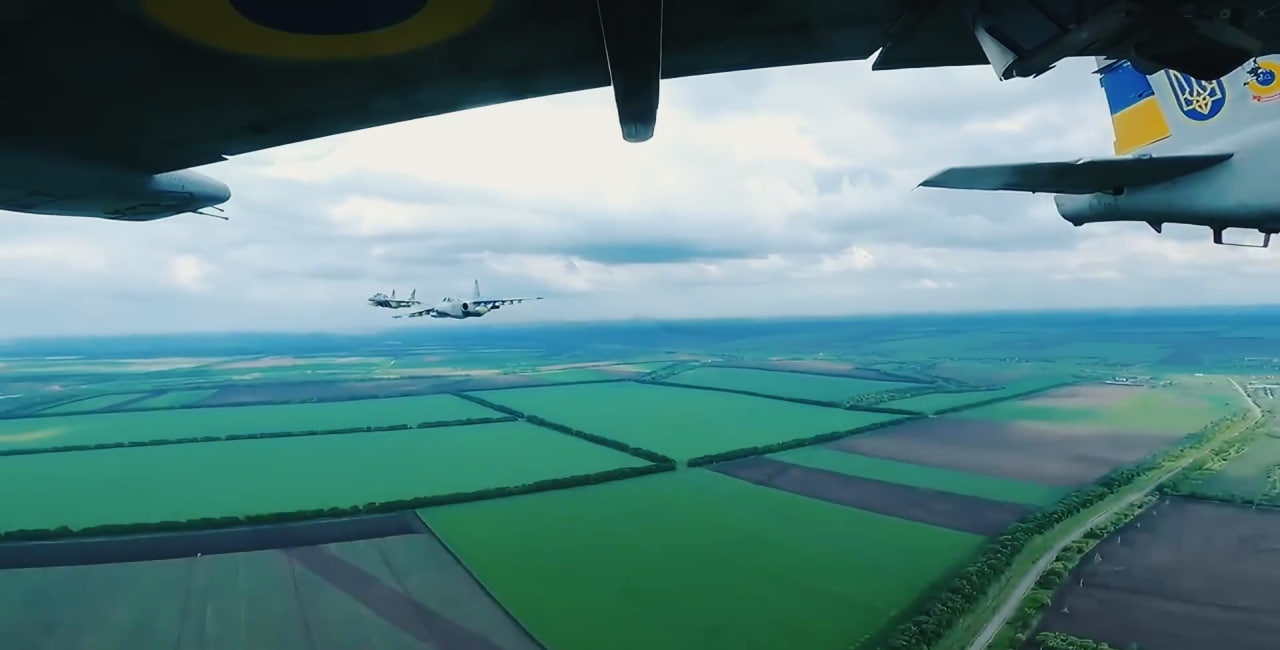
679,422
178,482
91,403
935,478
1185,407
262,599
934,402
172,399
785,384
573,374
1248,475
696,560
685,559
195,423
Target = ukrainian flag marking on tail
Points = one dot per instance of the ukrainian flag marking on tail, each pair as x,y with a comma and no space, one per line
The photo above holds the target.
1135,111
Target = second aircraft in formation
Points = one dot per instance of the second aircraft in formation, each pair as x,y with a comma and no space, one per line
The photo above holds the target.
448,307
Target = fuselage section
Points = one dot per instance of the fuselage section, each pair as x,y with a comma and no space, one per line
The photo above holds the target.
459,308
1238,193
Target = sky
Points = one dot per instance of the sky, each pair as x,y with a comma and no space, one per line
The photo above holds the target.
788,191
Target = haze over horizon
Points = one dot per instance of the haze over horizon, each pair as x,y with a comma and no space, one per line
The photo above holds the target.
783,192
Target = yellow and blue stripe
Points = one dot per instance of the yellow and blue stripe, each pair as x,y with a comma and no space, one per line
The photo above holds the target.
1136,116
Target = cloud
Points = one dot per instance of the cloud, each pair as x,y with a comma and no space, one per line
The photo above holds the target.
785,191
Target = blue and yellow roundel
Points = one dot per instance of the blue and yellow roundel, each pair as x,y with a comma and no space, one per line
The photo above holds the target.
1264,80
318,29
1197,100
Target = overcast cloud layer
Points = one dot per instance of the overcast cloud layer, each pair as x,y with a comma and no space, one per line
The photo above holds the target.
785,191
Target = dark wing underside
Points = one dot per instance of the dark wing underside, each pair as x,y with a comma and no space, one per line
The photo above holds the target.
1075,177
105,80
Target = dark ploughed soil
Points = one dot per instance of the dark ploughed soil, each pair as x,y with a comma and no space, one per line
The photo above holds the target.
403,592
1185,575
390,604
1049,454
166,546
936,508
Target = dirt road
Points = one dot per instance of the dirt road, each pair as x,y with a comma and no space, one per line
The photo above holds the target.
1011,604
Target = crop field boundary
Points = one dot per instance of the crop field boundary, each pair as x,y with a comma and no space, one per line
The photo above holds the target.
1006,398
616,445
1228,499
371,508
540,384
871,374
946,620
442,388
420,524
233,437
169,546
124,406
780,398
787,445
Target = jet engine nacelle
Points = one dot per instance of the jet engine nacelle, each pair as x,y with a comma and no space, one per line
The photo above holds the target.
1026,39
43,184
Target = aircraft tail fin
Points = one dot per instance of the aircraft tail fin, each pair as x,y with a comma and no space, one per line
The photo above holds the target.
393,293
413,295
476,293
1171,111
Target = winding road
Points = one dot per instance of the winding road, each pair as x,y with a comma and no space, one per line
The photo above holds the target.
1010,605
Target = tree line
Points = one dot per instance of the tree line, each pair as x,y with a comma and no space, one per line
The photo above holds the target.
870,374
670,371
1188,482
941,611
1028,614
160,442
1005,398
373,507
1061,641
892,394
638,452
785,445
797,400
23,413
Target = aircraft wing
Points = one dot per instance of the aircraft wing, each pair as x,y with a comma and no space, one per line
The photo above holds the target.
416,314
161,85
1085,176
491,302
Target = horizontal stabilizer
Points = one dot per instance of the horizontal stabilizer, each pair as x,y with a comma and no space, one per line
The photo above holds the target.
1084,176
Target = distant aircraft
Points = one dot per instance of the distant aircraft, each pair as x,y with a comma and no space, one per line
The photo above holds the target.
476,307
1188,152
391,302
178,84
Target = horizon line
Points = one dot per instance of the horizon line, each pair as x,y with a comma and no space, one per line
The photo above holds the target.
924,315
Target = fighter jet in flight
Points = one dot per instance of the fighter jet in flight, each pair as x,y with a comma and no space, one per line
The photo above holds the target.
1192,152
391,302
475,307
